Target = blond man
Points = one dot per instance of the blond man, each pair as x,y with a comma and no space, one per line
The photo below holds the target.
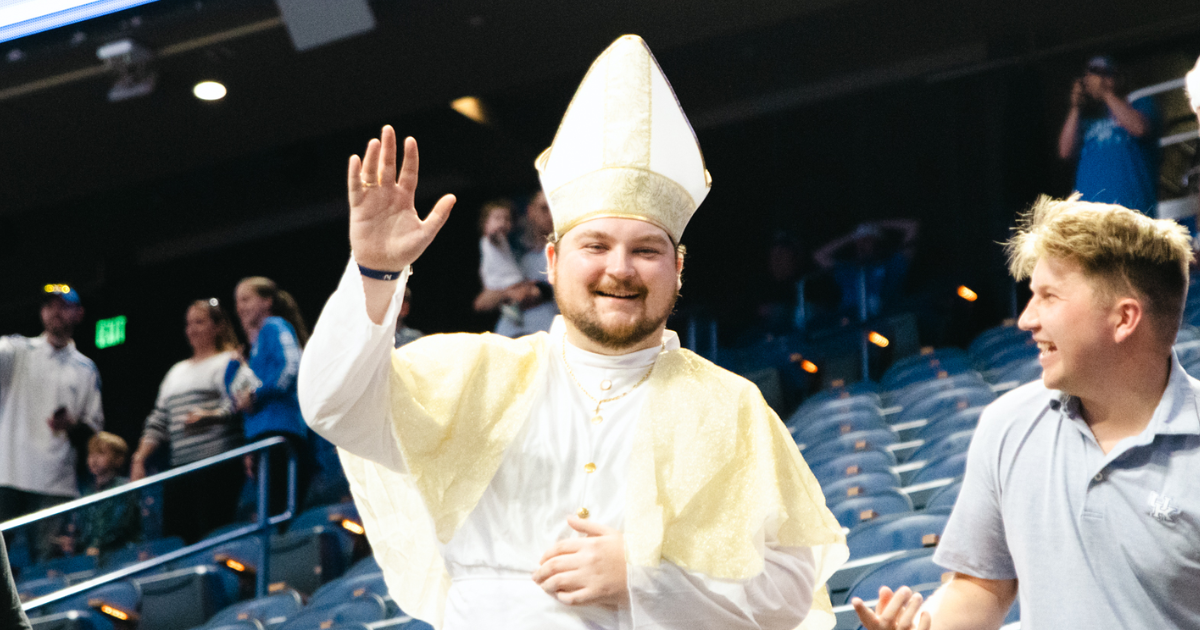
1080,488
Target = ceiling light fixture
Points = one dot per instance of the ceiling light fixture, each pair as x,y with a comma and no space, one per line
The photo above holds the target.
209,91
470,107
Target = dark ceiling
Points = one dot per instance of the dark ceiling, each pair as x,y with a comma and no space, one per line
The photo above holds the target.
729,61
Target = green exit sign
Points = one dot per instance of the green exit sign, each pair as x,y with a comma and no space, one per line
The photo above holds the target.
110,332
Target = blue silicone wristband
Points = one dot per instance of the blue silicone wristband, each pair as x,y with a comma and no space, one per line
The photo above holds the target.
381,275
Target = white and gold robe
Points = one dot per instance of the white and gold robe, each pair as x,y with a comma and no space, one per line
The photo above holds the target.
467,453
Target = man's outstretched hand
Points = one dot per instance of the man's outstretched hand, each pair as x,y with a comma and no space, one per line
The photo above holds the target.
386,233
895,611
587,570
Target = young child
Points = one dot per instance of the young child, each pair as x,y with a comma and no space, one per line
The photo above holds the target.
498,268
109,525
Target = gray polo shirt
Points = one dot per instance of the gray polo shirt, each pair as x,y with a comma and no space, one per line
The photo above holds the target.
1094,540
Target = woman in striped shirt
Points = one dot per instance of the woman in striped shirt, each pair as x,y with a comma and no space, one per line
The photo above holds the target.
195,416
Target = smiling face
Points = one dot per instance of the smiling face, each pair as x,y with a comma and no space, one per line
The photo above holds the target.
252,308
615,281
200,329
1074,324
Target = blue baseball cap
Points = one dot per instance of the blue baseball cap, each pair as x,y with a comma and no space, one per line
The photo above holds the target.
1102,65
62,291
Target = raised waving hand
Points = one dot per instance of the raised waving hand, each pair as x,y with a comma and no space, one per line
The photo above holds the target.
386,233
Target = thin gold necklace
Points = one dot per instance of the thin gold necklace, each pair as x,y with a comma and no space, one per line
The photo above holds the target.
597,418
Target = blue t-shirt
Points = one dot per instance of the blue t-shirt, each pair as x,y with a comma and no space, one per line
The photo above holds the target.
1114,166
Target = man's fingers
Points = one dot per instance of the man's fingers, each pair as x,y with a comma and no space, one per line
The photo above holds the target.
353,180
387,158
576,597
370,166
925,621
408,168
565,546
590,528
565,581
895,605
554,566
910,611
868,618
438,216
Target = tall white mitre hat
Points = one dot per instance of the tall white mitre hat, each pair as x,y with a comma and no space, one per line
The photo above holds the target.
624,148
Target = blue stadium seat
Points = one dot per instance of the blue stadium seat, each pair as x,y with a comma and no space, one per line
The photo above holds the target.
817,429
925,356
72,620
124,596
948,468
945,497
65,566
860,485
30,589
919,391
307,558
858,441
1187,333
897,531
914,569
1016,352
861,389
341,518
185,598
851,512
346,588
303,559
248,624
944,447
1022,371
365,609
272,609
140,552
897,378
989,343
365,566
943,402
854,464
805,416
952,422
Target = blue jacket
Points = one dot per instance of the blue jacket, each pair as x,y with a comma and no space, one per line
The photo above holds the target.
275,360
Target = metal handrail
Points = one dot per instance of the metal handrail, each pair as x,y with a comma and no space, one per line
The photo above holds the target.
1159,88
262,526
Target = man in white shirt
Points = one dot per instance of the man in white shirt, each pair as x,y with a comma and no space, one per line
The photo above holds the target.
597,476
49,401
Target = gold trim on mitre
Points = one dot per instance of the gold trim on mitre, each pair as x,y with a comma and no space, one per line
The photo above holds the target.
624,148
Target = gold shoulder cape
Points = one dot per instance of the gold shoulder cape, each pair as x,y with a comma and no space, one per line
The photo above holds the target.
711,465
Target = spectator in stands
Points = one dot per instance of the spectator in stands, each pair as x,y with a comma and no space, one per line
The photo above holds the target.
49,407
1080,488
536,482
277,334
1115,141
533,295
498,268
100,528
404,334
194,416
872,254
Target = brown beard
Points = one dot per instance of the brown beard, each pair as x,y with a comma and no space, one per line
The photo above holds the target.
621,337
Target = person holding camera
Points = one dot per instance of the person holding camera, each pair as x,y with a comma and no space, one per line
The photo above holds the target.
1116,141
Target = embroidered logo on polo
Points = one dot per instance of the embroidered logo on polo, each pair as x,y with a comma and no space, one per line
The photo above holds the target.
1160,508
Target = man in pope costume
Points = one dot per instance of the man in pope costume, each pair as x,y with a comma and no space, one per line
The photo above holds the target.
598,476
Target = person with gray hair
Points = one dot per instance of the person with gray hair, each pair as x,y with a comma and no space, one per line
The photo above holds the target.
1081,487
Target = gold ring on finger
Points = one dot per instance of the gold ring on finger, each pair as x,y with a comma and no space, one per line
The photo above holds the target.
370,184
